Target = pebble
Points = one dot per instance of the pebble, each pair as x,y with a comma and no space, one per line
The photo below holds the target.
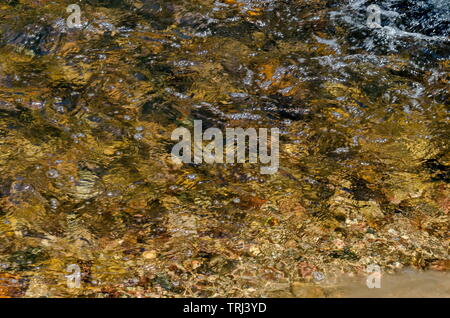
149,255
54,203
254,250
318,276
393,232
53,173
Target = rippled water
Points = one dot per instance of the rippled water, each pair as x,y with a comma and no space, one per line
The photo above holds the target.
86,116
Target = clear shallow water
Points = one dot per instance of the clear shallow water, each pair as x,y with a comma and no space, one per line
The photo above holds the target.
85,123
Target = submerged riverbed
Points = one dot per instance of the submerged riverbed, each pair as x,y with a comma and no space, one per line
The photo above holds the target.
87,178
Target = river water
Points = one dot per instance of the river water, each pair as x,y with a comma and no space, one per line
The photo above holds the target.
88,185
